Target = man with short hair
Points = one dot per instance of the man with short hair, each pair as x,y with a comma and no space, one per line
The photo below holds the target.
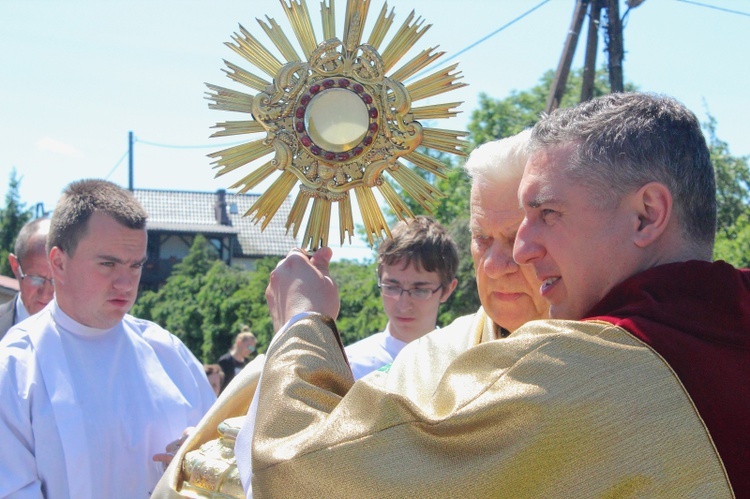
642,392
90,396
416,273
29,264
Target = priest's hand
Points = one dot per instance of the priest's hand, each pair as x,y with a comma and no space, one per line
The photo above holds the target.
302,284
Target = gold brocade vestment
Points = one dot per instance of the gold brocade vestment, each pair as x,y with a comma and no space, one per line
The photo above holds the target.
537,414
557,409
205,467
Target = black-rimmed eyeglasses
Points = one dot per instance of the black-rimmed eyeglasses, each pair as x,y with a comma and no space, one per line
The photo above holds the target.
393,291
35,280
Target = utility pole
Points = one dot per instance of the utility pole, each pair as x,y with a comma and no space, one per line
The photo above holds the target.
615,49
130,161
615,45
592,44
569,49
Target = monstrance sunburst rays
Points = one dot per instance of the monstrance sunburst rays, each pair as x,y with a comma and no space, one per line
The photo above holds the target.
334,121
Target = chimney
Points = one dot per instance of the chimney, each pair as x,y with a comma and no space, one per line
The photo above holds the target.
220,208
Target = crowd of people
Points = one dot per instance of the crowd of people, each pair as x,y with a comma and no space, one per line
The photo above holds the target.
609,356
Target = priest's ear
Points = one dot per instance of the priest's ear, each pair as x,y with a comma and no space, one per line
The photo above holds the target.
654,211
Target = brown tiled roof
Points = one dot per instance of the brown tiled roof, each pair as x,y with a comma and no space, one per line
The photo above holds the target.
190,211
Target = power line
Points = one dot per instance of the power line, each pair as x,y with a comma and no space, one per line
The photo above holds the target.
465,49
119,162
716,8
174,146
469,47
485,38
169,146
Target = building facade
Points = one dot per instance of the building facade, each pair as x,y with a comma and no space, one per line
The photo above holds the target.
177,217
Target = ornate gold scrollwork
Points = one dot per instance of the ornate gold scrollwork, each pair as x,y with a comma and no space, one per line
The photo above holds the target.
336,122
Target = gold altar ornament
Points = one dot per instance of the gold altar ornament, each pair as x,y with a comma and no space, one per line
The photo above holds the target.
334,121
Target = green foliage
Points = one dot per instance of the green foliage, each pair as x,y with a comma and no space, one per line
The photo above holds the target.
12,217
250,303
732,181
175,305
361,312
218,309
455,187
204,302
498,118
199,259
733,245
733,200
495,119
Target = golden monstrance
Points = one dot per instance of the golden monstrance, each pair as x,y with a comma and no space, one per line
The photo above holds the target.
334,122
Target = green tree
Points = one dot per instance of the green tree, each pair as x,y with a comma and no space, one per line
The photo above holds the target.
12,217
465,298
733,245
733,200
454,187
205,301
361,313
175,305
732,180
219,309
250,303
498,118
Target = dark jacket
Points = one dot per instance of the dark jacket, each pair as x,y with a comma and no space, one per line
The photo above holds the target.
7,315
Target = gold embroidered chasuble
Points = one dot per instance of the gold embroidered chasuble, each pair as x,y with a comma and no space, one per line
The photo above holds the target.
216,472
413,372
558,408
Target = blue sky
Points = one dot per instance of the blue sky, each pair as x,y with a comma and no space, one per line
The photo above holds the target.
77,76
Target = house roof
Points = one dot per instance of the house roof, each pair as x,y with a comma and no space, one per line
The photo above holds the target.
190,211
9,283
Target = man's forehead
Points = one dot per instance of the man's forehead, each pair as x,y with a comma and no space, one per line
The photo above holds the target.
541,176
527,190
34,259
395,272
494,202
506,219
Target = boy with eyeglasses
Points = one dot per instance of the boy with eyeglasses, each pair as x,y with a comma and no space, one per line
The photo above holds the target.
416,273
31,268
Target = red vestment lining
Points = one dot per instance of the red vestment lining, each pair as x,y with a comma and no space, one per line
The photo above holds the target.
696,315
